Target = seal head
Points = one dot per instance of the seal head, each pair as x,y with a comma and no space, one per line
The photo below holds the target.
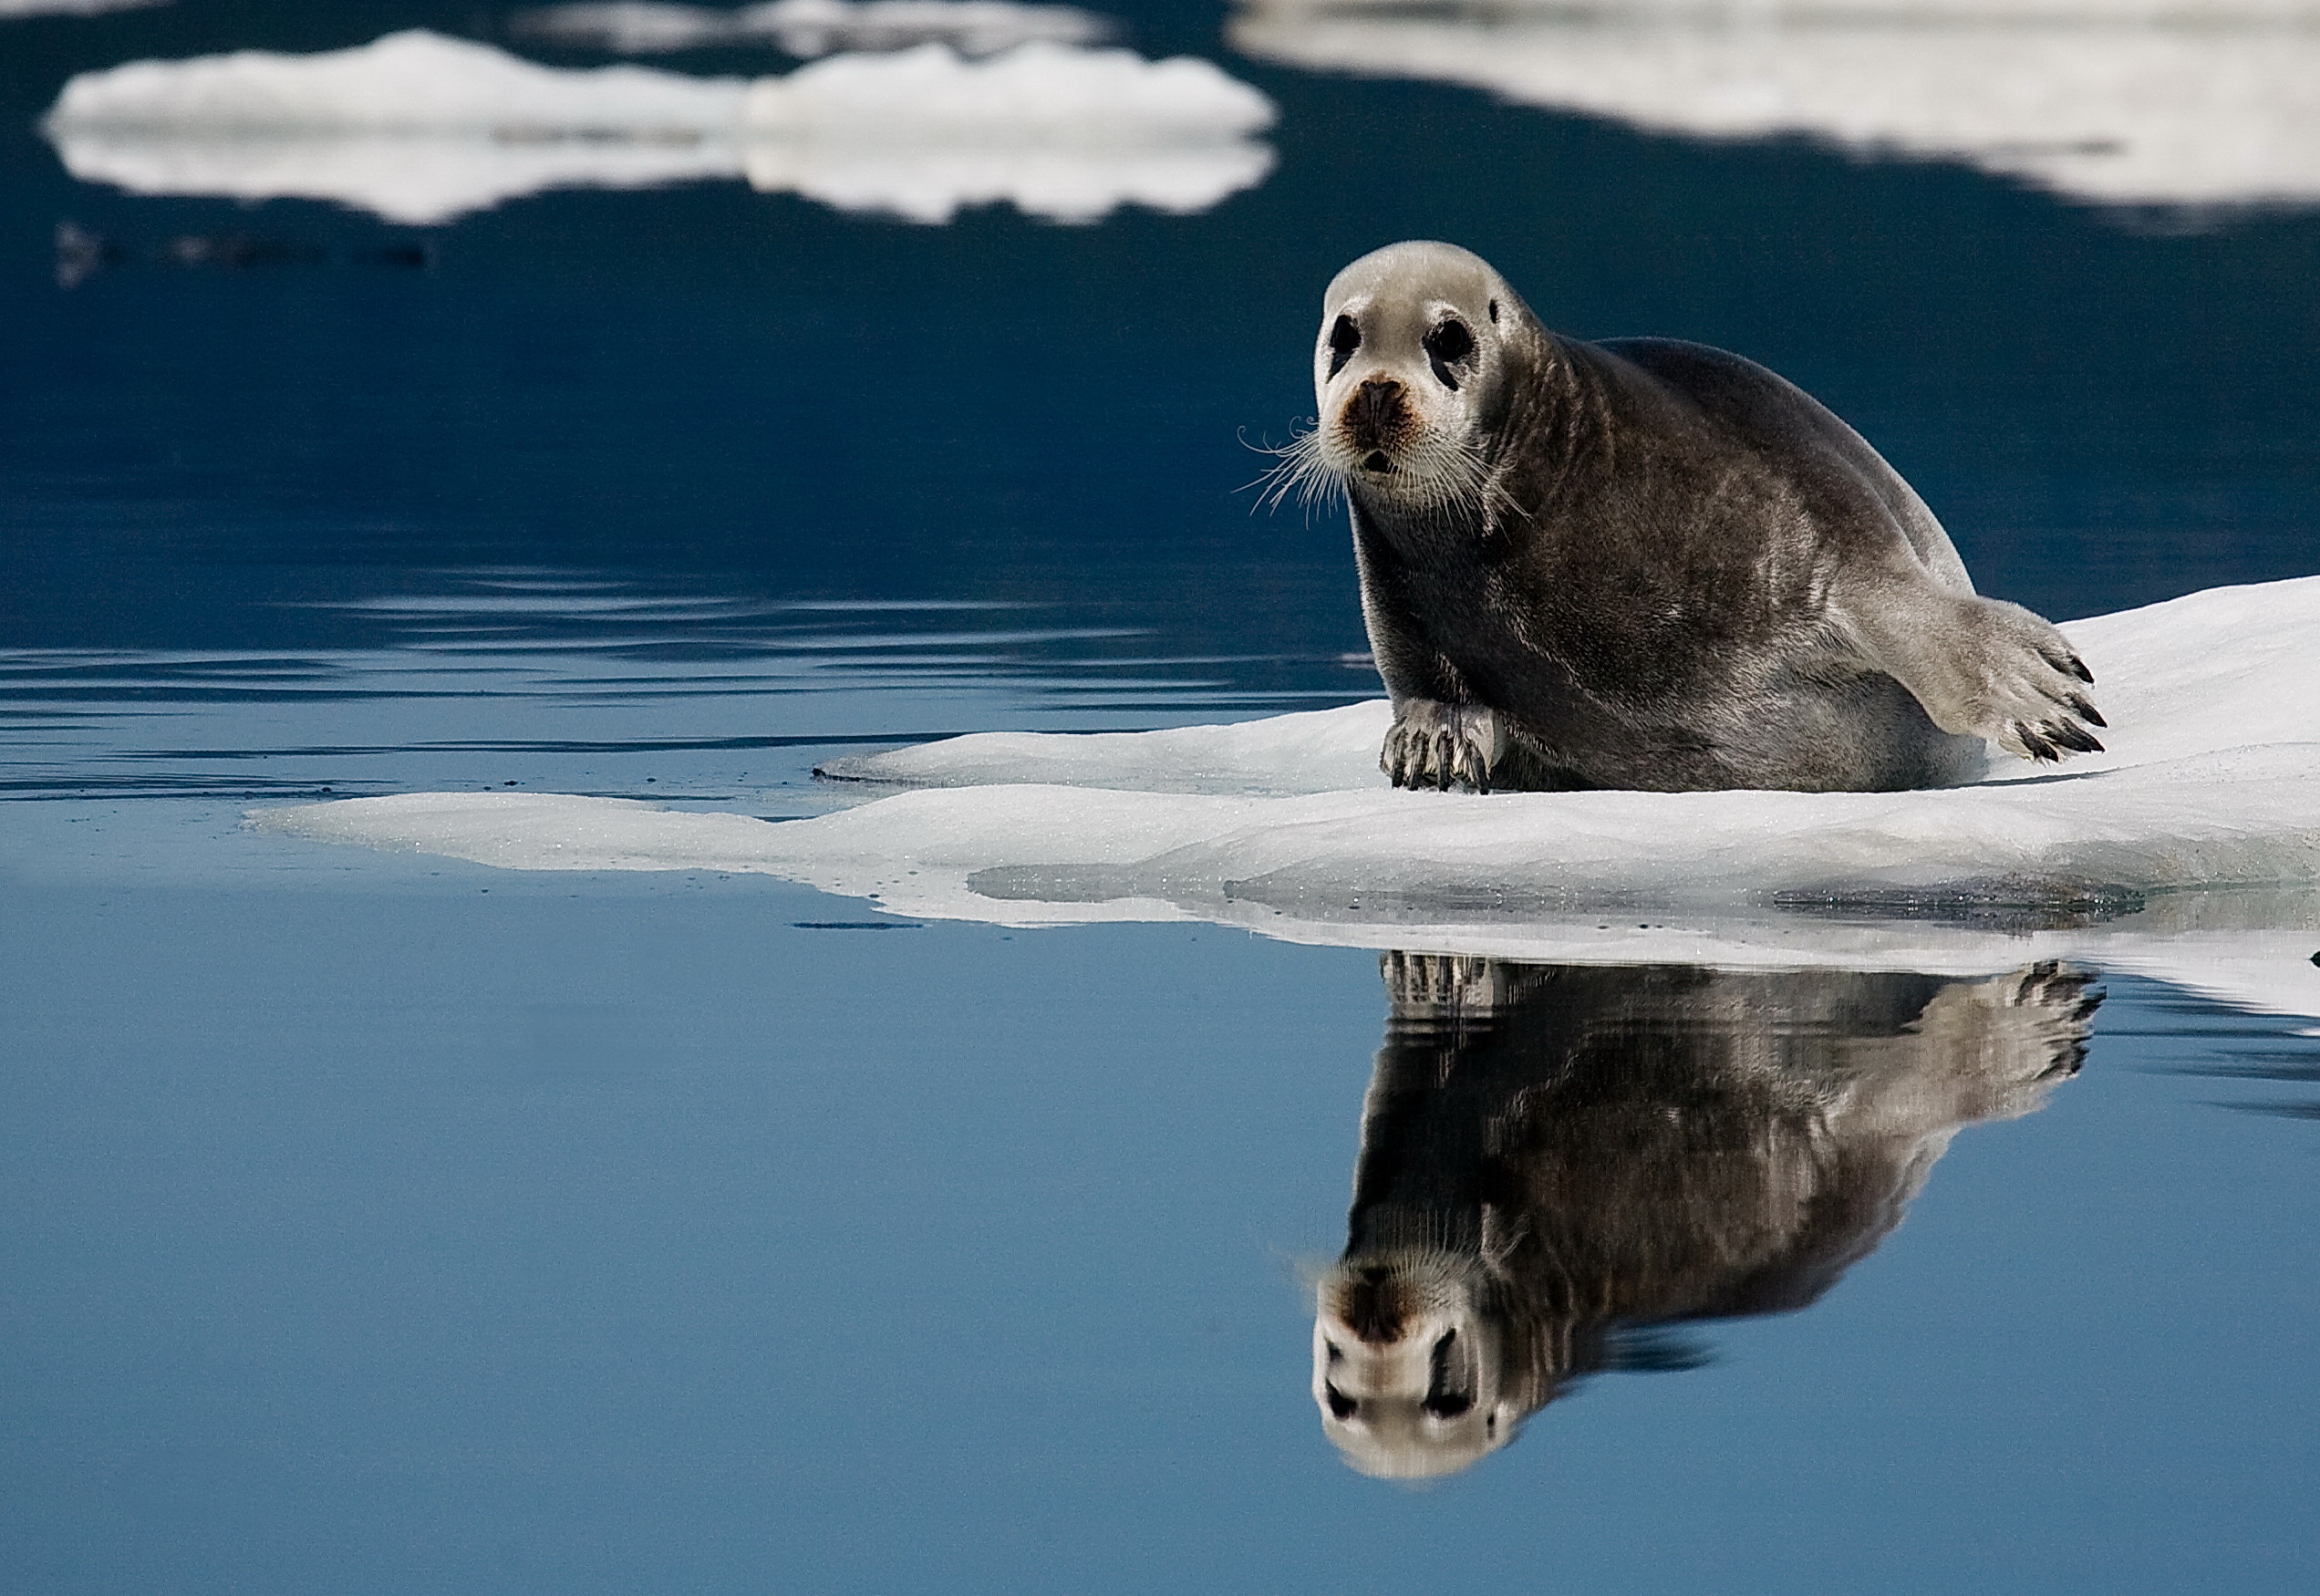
1411,372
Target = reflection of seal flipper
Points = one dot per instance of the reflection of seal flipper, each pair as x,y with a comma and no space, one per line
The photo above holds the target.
1980,1050
1550,1155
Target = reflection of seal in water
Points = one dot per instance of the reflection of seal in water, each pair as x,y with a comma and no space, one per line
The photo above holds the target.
1646,564
1554,1159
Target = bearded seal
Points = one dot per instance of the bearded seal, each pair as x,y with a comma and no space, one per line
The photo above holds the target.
1561,1167
1646,564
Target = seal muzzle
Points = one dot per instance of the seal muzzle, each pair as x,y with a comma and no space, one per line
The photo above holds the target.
1376,418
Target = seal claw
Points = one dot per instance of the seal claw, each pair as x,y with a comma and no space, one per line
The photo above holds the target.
2007,675
1441,746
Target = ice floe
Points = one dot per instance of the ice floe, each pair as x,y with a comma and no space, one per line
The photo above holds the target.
11,9
2191,850
2176,103
811,27
418,129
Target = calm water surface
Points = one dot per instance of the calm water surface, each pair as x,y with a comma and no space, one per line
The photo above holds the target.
375,1223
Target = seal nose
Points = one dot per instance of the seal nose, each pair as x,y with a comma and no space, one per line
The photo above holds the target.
1371,1305
1376,413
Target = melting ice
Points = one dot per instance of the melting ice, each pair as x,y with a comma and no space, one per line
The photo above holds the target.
2174,103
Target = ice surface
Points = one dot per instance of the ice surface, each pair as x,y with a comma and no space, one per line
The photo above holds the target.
418,129
2167,102
812,27
1322,750
2191,849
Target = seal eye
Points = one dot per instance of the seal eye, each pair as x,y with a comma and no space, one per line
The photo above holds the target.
1344,338
1446,346
1342,1405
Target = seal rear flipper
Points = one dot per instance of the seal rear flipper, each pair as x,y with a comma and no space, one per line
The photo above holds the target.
1981,666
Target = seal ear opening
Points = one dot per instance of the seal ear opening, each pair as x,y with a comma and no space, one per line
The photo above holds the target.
1493,313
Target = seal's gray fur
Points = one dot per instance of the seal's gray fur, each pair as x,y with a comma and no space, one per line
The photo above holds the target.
1647,564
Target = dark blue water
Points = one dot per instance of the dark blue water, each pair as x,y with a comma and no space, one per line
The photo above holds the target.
377,1223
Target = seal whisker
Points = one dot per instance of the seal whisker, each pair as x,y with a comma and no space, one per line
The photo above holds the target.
1303,471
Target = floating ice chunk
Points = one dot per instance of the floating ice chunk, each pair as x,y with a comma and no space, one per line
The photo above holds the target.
1070,185
2212,781
813,27
412,83
1038,95
2166,102
1066,133
972,27
11,9
414,127
629,27
418,129
2247,947
387,176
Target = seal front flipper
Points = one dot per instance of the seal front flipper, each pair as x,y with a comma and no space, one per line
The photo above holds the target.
1440,737
1981,666
1434,744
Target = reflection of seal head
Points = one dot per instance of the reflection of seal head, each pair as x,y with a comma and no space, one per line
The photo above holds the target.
1406,1364
1646,564
1555,1161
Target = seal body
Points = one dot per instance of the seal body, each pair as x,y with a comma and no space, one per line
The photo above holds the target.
1647,564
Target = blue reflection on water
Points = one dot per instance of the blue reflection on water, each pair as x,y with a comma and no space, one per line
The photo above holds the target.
463,1228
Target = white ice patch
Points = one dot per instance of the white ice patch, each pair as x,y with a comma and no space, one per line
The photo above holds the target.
11,9
2213,784
2164,102
418,129
1065,133
811,27
1322,750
